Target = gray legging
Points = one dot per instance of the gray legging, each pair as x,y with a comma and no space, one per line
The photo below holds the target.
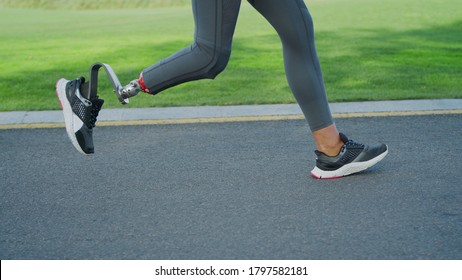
215,21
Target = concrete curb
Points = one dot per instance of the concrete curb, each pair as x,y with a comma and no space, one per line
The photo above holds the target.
201,112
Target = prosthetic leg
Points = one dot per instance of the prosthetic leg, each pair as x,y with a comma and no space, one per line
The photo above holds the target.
123,93
81,104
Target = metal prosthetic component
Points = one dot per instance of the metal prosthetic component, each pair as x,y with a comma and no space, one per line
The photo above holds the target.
122,93
130,90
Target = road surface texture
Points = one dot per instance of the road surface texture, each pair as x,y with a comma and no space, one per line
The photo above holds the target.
237,190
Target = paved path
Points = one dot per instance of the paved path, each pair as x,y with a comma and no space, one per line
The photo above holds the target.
233,190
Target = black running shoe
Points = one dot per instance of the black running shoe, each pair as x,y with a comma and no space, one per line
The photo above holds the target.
352,158
79,113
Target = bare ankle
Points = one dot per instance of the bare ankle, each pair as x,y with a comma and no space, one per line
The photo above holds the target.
328,140
331,149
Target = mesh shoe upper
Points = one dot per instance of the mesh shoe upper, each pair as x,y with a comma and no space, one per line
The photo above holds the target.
86,111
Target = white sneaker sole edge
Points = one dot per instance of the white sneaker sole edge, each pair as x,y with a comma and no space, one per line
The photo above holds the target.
67,112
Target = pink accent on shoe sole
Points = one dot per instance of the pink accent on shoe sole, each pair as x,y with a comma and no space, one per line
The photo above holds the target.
326,178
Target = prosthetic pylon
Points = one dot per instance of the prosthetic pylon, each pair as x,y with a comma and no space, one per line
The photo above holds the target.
122,92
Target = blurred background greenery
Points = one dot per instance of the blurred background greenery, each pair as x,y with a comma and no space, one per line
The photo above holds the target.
369,50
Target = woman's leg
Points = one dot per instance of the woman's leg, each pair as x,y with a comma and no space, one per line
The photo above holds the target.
337,156
294,25
207,56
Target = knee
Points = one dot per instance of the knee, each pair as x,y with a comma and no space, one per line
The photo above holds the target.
214,60
216,63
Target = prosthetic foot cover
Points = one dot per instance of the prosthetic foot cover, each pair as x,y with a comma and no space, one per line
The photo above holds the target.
79,113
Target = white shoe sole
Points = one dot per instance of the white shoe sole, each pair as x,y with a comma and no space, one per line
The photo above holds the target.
347,169
67,112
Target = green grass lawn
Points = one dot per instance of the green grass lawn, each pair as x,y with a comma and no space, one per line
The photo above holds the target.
369,50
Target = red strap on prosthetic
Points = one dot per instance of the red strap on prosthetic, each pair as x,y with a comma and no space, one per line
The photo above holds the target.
142,84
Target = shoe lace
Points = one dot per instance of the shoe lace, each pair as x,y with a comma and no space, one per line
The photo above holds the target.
354,145
95,108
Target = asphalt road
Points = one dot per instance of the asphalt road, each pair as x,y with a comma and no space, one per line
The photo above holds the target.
237,190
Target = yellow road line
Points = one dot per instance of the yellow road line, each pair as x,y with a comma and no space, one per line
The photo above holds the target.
234,119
